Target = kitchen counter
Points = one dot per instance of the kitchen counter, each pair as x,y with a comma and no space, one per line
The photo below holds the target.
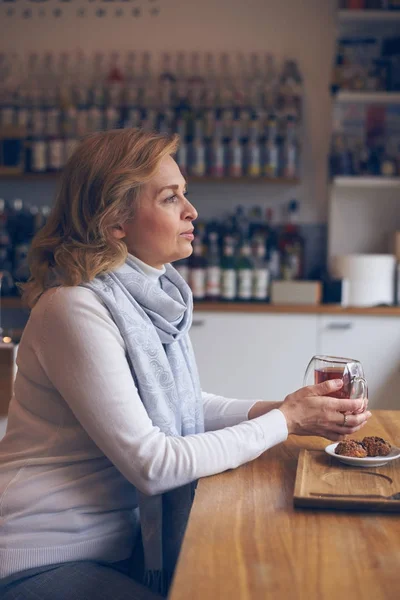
246,541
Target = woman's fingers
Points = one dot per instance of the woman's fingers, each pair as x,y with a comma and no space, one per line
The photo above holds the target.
348,421
325,388
345,405
349,430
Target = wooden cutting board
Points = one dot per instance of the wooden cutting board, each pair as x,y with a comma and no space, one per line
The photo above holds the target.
322,481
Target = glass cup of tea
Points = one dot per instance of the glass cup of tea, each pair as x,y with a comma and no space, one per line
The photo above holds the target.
322,368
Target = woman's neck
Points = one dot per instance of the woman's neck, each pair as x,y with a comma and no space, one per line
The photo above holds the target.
151,272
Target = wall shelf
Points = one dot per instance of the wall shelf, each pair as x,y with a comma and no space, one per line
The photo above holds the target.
367,182
55,176
367,16
368,97
262,307
14,302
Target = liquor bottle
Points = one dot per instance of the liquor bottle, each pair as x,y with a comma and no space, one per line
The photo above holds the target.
273,252
133,112
23,115
290,154
388,160
291,245
7,108
211,91
81,97
195,82
256,224
182,157
261,273
235,153
182,86
39,154
96,117
271,150
228,271
198,151
213,279
182,266
209,118
291,85
341,159
217,153
55,143
253,151
198,270
115,82
166,81
245,272
240,225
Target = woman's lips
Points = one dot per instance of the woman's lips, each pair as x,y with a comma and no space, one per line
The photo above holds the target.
188,236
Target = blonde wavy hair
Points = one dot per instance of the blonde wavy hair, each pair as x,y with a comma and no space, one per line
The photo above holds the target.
98,190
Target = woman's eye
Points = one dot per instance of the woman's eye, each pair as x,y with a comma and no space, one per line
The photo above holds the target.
170,199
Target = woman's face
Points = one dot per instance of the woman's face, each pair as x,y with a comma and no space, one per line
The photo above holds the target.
161,230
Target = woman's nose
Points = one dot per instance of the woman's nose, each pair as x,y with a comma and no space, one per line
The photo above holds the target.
191,212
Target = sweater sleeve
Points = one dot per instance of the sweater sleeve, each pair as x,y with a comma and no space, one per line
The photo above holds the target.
220,412
83,355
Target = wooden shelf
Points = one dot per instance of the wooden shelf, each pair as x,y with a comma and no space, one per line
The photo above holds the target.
367,16
191,179
367,97
264,307
12,302
320,309
367,182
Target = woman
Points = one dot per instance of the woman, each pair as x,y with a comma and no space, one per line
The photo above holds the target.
108,428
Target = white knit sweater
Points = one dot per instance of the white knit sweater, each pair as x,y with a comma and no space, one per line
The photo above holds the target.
79,441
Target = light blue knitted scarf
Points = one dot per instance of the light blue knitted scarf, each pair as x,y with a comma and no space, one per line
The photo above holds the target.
154,321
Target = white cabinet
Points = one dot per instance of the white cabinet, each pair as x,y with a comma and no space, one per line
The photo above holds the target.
375,341
262,356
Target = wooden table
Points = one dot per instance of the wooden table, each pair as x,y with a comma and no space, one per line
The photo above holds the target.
246,541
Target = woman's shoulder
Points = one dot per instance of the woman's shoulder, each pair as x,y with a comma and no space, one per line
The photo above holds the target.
66,295
69,302
72,311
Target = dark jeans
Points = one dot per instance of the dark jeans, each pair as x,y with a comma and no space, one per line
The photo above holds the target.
82,580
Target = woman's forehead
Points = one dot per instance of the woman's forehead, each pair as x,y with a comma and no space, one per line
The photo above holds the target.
167,174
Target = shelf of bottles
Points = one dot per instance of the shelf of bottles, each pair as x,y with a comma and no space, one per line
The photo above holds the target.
234,259
238,116
237,259
366,92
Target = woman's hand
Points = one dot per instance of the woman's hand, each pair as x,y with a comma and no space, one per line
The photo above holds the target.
308,411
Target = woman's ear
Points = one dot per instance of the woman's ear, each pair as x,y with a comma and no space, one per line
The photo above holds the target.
118,232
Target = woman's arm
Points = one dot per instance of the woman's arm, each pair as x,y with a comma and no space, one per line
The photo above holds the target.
84,357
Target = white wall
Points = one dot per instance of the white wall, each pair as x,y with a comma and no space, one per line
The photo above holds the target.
295,28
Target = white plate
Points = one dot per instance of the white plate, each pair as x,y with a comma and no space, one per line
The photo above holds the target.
369,461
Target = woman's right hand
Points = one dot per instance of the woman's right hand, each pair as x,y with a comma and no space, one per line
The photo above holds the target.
309,411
